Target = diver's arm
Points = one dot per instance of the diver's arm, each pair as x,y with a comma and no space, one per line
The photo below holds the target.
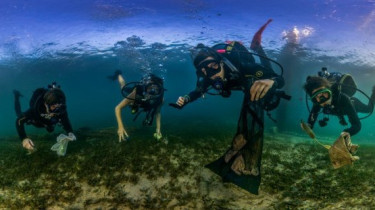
20,126
121,130
157,133
352,115
279,80
20,123
65,122
313,116
27,143
202,86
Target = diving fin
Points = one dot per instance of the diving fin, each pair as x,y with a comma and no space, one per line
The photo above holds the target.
115,75
257,38
249,183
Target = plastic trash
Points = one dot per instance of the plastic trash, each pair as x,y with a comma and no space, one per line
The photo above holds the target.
62,144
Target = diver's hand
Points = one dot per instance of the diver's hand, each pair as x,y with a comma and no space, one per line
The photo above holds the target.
122,135
158,136
72,136
181,101
260,88
345,134
28,144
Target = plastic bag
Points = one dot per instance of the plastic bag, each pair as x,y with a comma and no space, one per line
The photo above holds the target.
341,153
62,144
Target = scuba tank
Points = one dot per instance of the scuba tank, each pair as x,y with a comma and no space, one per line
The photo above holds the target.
343,82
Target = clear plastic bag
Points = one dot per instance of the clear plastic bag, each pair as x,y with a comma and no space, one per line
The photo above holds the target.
62,144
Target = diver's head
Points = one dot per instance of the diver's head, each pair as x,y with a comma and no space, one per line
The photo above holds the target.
319,90
208,63
153,85
322,96
54,100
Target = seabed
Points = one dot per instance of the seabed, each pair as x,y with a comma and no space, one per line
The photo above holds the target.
98,172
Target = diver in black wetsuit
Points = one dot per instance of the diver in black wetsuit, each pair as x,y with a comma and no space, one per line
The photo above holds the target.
147,95
327,98
47,108
227,67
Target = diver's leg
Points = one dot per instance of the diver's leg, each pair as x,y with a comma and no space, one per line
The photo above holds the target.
256,45
253,154
121,81
239,139
252,151
17,104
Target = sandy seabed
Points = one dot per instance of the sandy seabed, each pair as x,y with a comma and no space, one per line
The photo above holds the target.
98,172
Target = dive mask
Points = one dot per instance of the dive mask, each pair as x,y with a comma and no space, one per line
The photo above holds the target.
323,95
57,108
211,66
153,89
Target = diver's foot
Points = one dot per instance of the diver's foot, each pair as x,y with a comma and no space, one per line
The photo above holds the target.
257,39
228,156
238,165
238,142
115,75
253,172
17,93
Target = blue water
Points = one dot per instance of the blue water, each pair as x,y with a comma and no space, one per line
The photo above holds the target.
78,43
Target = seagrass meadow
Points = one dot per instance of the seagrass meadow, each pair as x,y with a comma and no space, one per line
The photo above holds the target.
100,173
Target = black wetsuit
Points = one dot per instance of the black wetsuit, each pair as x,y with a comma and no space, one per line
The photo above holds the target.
248,141
37,115
343,105
147,102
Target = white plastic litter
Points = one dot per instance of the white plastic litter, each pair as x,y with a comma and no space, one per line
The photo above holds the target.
62,144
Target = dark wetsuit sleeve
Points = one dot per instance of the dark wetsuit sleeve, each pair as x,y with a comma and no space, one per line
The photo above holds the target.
279,81
313,116
66,123
201,88
349,110
20,123
249,69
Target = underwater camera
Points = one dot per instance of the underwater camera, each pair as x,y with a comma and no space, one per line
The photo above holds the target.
324,72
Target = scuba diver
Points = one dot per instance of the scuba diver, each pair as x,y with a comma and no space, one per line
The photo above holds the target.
147,95
332,94
227,67
47,109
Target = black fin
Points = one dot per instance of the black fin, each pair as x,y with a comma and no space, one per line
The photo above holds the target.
115,75
249,183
